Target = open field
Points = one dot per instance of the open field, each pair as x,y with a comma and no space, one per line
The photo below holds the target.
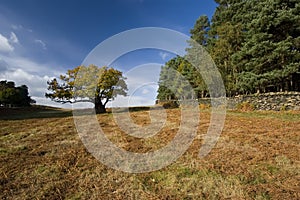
256,157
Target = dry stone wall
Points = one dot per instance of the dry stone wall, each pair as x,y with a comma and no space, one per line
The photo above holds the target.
263,101
269,101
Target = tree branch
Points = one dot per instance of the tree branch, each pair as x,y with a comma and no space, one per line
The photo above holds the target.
71,102
106,101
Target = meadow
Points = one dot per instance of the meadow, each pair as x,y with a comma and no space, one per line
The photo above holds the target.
256,157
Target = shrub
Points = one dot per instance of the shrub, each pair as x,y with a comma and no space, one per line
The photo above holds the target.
170,104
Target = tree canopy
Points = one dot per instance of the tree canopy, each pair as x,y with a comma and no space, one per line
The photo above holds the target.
14,96
97,85
255,44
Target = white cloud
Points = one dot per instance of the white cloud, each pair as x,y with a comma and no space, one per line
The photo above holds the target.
24,71
23,64
164,55
145,91
37,84
131,101
6,43
142,74
5,46
13,38
142,83
16,27
43,44
20,27
30,66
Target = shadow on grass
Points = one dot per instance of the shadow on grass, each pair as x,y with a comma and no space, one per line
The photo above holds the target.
134,109
281,115
33,112
130,109
37,112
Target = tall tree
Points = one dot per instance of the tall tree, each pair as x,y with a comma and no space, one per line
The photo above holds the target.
199,32
88,84
254,43
177,77
226,38
228,42
199,36
270,55
167,79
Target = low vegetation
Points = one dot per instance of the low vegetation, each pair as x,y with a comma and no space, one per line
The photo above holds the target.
256,157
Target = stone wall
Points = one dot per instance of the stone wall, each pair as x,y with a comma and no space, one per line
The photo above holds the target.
269,101
263,101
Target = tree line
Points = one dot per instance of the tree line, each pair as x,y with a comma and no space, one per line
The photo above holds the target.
255,45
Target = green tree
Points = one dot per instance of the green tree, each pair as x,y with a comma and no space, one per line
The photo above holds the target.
226,38
167,79
22,97
270,53
228,43
255,44
199,32
199,36
16,96
79,85
176,76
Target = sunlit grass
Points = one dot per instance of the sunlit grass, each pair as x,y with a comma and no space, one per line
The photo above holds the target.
256,157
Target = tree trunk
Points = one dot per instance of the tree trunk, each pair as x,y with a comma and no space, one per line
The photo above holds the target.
99,106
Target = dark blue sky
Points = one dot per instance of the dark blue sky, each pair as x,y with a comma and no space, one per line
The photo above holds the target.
43,38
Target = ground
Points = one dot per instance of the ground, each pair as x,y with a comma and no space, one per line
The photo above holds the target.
256,157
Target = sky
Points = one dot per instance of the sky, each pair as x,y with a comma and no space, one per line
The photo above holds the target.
40,40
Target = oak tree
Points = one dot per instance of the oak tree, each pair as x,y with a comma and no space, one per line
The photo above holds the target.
97,85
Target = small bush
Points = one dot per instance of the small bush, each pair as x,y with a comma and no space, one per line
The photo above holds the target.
170,104
245,106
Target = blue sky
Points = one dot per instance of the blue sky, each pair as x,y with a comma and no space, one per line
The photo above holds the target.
41,39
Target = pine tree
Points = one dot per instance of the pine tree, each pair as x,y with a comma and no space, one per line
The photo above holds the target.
270,55
255,44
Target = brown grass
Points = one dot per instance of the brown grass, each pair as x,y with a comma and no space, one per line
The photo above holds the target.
256,157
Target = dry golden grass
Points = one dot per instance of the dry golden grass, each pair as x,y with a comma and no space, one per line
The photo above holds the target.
256,157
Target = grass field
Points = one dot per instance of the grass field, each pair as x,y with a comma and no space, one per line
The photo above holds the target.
256,157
